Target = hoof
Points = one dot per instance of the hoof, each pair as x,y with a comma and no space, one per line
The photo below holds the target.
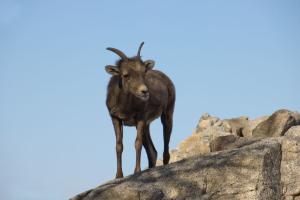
166,158
152,160
119,175
152,163
136,171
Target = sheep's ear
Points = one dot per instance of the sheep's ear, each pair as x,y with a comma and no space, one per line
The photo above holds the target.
149,64
113,70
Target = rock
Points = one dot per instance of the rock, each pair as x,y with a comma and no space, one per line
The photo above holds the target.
234,126
221,142
290,164
251,172
237,125
293,131
252,124
230,142
193,145
277,124
209,129
198,143
205,122
215,162
240,126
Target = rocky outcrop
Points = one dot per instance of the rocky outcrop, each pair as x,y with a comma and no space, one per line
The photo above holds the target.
230,142
277,124
213,134
290,164
221,160
241,126
252,172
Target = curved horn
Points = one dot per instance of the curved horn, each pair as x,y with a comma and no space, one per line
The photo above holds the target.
118,52
140,48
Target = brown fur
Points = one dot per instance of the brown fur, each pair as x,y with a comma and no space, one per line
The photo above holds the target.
137,95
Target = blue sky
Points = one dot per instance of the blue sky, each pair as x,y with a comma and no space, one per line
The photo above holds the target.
227,58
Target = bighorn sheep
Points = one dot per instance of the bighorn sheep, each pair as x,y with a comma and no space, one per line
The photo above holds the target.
136,95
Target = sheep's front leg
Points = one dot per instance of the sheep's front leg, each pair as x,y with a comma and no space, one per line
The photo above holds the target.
138,145
119,145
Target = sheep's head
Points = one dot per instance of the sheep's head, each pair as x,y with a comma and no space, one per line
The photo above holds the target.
131,72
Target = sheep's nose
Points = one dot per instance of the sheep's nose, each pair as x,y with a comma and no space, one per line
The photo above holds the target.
144,89
145,92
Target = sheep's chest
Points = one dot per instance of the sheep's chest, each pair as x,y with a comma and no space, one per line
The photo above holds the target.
127,119
131,118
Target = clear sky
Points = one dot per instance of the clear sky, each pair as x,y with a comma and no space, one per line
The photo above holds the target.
227,58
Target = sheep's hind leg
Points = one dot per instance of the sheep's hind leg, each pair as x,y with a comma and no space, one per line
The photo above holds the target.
149,147
167,121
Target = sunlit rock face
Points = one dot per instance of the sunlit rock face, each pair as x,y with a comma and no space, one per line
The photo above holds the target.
290,163
277,124
223,159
